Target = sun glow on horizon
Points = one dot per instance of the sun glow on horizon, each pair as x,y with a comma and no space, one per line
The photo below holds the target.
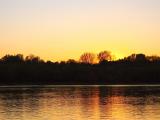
59,30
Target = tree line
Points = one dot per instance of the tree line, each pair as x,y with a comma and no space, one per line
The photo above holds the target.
86,58
91,68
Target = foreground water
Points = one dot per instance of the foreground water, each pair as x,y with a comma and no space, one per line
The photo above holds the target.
80,103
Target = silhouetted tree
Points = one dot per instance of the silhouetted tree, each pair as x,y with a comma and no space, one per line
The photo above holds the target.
136,58
87,58
104,56
140,57
131,58
13,58
33,59
153,58
71,61
49,62
63,62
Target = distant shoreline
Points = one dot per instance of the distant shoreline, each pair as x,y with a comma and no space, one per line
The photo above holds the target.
133,70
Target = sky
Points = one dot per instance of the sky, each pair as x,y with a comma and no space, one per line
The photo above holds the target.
62,29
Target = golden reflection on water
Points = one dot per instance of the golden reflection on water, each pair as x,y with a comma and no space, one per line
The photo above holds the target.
80,103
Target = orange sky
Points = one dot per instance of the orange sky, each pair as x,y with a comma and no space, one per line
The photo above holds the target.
59,30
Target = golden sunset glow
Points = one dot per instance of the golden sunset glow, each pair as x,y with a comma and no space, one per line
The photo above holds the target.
60,30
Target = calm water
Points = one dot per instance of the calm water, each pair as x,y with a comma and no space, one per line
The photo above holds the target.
80,103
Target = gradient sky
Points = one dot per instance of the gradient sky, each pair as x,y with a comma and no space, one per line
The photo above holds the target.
63,29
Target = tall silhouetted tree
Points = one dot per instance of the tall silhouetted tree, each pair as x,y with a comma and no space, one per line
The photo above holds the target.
87,58
104,56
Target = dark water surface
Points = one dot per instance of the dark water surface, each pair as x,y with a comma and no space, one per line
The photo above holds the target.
80,103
